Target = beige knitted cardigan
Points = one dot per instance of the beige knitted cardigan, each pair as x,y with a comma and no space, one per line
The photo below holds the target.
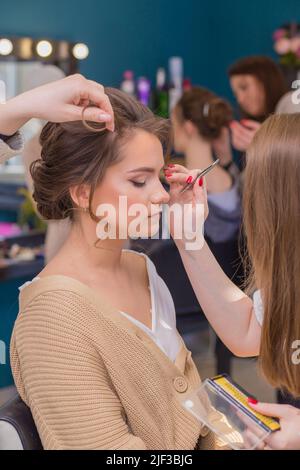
95,380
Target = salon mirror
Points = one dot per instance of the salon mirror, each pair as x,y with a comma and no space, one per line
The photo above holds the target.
17,77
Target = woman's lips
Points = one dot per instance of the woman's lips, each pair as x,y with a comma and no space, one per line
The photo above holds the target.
153,215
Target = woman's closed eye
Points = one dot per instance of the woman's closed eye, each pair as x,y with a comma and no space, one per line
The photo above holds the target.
138,184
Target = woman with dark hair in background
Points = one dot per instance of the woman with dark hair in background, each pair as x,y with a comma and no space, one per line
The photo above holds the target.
260,90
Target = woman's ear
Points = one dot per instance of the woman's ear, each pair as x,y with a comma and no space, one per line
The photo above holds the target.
80,195
189,128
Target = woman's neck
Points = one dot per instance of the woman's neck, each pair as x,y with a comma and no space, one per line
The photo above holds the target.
87,254
198,154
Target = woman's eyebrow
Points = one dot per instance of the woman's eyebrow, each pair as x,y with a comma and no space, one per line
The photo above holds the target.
146,169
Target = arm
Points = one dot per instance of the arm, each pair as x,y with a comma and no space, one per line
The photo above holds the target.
227,308
64,380
59,101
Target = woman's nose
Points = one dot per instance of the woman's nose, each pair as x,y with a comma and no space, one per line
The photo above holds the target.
160,197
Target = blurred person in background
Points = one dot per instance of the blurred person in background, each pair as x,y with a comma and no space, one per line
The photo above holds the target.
201,130
260,89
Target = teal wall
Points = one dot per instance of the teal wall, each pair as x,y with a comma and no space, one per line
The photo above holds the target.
142,34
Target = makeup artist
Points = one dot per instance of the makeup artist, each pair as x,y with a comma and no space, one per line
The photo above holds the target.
260,90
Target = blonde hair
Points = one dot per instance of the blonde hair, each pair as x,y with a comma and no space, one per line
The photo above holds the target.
272,228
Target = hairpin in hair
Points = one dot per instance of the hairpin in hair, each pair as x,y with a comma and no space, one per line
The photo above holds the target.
206,109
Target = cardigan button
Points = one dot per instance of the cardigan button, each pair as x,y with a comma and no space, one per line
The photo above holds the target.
180,384
204,431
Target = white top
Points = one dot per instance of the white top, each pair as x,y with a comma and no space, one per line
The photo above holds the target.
163,331
226,200
258,307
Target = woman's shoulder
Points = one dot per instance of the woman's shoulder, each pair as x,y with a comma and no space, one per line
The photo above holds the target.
57,296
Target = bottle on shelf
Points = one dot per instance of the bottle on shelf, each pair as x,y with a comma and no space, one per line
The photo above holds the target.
176,80
128,85
143,90
160,102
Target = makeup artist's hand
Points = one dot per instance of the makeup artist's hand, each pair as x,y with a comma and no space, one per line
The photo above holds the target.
288,437
243,133
58,101
177,176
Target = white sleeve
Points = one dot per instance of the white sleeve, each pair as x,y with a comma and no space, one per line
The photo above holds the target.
258,306
226,200
11,147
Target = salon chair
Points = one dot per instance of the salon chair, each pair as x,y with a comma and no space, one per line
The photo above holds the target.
17,428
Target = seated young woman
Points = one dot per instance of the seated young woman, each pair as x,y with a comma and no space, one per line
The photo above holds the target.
95,352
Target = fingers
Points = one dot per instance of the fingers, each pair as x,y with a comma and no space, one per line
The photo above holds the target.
199,190
101,99
94,114
174,168
273,409
91,91
254,125
241,137
181,176
241,131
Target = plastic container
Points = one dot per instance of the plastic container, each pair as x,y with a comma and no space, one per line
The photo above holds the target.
228,416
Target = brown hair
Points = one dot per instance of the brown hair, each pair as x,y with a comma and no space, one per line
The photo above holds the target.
269,75
73,155
272,225
205,110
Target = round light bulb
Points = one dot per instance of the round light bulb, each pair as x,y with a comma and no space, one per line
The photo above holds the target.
44,48
6,46
80,51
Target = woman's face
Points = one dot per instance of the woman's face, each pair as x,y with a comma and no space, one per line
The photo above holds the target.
249,93
136,178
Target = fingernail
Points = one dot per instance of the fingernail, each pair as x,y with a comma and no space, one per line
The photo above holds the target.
189,179
105,117
251,400
169,174
171,166
201,181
